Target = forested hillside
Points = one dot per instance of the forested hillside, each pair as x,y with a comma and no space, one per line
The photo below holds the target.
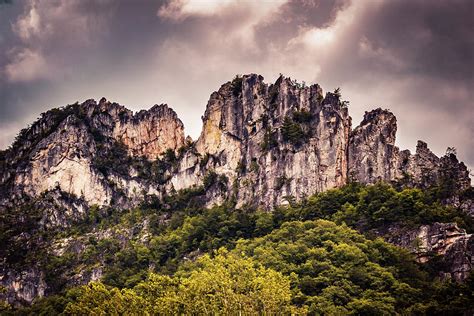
308,257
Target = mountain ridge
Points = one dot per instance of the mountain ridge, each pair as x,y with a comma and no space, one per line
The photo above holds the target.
262,146
283,131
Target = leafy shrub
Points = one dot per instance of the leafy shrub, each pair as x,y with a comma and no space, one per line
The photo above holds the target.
302,116
112,158
320,98
254,166
274,93
241,167
210,179
237,85
222,182
281,181
170,156
204,160
292,132
269,140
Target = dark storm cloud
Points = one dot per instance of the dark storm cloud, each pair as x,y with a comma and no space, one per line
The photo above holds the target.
414,57
434,42
292,16
433,38
67,46
427,38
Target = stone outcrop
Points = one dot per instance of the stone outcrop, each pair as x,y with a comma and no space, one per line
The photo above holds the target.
244,138
446,240
372,153
58,151
150,133
373,156
272,141
24,286
63,160
245,129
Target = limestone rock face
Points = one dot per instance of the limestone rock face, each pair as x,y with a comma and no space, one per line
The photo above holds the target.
24,286
274,142
423,166
148,133
63,160
61,150
373,156
453,244
372,153
248,128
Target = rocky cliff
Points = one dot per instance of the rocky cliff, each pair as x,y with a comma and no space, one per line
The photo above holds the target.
452,247
271,141
65,149
286,140
374,157
262,145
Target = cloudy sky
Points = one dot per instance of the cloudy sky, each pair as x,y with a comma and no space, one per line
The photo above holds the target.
413,57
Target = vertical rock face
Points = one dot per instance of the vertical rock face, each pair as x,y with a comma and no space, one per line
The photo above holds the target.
275,141
27,285
60,151
447,240
373,157
63,160
146,134
423,167
150,133
372,153
263,144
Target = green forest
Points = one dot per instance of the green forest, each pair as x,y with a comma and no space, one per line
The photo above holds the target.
319,256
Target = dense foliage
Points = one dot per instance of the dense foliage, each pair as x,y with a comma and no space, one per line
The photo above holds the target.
226,284
164,257
295,128
377,206
335,269
237,84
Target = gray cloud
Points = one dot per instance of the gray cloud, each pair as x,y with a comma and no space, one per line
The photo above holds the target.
414,57
292,16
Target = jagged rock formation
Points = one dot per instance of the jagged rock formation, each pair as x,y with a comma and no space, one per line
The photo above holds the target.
453,245
150,133
62,148
374,157
262,144
372,153
285,140
272,141
26,285
61,166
